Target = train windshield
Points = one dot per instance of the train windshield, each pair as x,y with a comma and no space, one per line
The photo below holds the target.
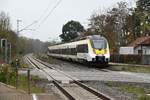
99,44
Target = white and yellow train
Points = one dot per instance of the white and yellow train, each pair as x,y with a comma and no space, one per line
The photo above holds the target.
93,49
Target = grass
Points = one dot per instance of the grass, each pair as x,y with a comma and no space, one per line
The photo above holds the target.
47,59
137,69
24,65
132,89
144,97
8,76
23,84
140,92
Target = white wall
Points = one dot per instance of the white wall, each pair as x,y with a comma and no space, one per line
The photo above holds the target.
126,50
146,50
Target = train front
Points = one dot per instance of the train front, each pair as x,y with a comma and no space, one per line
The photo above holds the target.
100,50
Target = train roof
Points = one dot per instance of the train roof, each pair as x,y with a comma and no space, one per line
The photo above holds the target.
82,38
96,37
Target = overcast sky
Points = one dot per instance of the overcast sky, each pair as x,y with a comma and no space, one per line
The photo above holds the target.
36,10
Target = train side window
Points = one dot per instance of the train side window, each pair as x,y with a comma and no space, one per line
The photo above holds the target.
83,48
73,51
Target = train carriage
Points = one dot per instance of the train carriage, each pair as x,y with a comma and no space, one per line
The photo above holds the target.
93,49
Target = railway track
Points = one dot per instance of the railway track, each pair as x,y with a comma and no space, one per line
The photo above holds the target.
73,90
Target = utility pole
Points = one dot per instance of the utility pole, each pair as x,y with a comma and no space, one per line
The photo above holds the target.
9,52
18,21
4,49
29,88
17,66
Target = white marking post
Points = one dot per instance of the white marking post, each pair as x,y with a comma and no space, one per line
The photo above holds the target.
34,97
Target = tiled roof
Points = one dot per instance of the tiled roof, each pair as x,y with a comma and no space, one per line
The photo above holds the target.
139,41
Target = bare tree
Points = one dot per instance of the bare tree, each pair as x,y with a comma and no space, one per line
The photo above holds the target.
97,23
120,15
4,22
111,24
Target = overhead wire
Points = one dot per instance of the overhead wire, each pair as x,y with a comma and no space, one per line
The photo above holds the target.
50,12
40,18
28,26
45,10
36,21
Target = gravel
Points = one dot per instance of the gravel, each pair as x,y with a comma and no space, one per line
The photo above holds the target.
117,95
49,88
141,79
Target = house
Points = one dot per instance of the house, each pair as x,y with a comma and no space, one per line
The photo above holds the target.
139,46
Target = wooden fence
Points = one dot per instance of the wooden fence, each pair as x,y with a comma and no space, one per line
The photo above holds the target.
131,59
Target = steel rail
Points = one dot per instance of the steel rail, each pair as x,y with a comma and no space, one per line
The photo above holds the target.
55,82
91,90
